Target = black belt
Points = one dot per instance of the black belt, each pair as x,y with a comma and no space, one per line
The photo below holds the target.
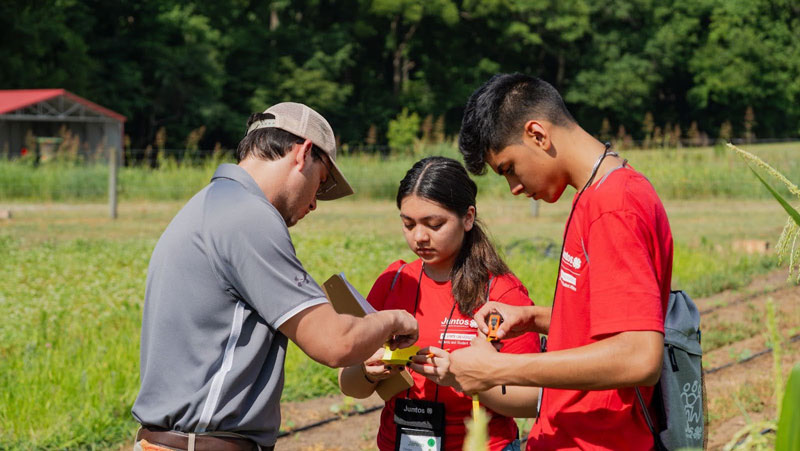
202,442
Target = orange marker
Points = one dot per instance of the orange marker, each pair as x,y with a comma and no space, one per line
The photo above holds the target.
430,354
493,321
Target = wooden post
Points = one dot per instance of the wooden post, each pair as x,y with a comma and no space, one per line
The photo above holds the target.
535,208
113,167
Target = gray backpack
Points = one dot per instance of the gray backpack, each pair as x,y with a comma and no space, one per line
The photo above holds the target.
679,396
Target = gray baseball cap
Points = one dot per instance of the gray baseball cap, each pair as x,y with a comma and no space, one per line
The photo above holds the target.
302,121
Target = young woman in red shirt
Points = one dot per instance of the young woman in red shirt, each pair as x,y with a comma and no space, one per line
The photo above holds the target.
458,270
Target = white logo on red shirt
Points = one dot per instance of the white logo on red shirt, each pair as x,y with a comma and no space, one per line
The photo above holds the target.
570,271
459,330
460,322
575,262
568,280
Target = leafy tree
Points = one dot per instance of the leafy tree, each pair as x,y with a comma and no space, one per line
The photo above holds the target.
39,48
180,65
750,58
314,82
159,65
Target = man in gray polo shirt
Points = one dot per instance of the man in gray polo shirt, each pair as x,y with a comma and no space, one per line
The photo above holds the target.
225,291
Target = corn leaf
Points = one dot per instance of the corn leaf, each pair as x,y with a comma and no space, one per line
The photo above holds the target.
788,438
792,212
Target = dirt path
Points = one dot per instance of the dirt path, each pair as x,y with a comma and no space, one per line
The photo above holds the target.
735,321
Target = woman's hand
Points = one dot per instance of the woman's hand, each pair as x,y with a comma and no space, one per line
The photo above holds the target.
434,364
375,370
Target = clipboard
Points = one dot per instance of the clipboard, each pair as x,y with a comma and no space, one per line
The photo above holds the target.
345,299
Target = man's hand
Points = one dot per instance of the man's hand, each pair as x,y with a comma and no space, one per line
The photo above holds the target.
472,367
516,319
405,331
344,340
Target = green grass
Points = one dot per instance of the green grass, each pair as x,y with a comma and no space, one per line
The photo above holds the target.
72,284
676,174
68,340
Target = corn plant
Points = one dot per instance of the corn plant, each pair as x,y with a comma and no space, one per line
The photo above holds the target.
787,243
477,436
788,424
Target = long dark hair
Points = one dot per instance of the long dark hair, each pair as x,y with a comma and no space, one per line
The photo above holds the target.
446,182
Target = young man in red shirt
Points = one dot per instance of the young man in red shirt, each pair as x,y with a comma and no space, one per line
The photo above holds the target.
605,329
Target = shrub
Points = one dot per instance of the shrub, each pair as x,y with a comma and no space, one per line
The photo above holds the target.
403,130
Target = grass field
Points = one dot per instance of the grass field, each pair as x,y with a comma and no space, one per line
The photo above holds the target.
677,174
72,283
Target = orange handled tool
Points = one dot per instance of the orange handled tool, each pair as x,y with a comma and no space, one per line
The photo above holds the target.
493,322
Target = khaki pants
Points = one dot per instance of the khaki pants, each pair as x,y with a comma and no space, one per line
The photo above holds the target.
144,445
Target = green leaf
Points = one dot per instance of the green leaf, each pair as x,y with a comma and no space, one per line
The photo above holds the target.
788,438
792,212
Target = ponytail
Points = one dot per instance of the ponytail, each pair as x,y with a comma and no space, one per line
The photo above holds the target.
476,263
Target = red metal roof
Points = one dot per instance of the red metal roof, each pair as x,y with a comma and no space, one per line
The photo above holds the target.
14,99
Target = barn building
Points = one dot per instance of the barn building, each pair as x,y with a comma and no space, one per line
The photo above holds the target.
43,118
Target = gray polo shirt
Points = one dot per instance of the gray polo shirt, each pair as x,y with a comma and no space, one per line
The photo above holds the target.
222,278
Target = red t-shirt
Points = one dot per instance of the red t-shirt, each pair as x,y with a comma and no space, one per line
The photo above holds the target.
433,309
615,276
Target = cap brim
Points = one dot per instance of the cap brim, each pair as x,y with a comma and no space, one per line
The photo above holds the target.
341,189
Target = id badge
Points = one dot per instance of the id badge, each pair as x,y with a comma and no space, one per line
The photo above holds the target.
419,424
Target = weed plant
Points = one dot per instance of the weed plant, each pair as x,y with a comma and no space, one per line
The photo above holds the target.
753,436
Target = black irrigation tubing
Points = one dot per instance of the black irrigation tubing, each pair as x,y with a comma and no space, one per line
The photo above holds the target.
306,427
328,420
758,354
743,299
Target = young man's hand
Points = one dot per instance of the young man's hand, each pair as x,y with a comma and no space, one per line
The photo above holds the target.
516,319
472,367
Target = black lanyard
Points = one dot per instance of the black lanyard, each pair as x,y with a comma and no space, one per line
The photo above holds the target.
564,243
447,324
572,211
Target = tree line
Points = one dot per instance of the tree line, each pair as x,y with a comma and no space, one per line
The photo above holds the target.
188,73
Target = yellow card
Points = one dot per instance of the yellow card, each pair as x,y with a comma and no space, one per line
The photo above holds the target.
398,356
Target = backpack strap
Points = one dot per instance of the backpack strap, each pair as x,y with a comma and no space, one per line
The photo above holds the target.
656,438
705,407
397,274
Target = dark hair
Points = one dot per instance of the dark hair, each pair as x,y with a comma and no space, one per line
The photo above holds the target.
497,111
269,143
446,182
